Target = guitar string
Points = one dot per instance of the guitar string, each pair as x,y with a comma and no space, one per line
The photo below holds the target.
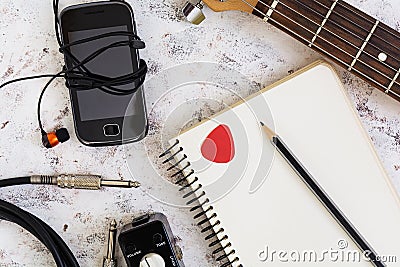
365,17
395,57
322,49
355,24
395,69
381,34
360,14
337,47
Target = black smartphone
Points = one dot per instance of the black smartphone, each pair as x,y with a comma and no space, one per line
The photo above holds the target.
101,118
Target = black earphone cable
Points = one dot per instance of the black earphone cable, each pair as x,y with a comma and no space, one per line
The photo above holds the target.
78,77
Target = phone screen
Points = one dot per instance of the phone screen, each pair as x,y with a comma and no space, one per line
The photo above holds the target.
95,104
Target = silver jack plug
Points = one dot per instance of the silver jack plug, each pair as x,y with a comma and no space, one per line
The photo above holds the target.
72,181
109,260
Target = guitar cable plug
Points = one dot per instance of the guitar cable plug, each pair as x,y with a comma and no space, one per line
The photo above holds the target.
70,181
109,259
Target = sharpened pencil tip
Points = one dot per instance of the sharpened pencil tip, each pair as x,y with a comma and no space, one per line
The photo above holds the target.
270,133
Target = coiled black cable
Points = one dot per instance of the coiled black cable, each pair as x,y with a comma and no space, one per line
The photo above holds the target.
79,77
61,253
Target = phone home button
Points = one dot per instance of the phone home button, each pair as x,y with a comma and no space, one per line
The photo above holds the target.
111,129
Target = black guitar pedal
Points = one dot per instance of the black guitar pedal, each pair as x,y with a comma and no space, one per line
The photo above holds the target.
148,242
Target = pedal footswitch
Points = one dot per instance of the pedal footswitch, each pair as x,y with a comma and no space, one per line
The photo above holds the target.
148,242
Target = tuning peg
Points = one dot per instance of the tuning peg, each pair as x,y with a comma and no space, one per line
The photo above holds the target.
193,12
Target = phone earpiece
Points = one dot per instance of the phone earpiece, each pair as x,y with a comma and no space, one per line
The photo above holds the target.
52,139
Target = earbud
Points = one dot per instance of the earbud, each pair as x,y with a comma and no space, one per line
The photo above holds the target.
52,139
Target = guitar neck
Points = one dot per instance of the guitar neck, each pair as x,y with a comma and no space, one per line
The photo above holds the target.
339,31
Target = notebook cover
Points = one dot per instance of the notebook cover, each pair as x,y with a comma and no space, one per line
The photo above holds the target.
264,208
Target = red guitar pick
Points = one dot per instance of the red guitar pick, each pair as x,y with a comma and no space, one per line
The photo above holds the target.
219,146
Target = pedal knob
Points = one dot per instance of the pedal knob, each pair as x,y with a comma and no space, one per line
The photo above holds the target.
152,260
194,13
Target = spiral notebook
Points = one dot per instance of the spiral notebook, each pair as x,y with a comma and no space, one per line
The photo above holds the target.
252,207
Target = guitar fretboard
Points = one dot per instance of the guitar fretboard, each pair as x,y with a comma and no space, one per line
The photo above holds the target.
353,39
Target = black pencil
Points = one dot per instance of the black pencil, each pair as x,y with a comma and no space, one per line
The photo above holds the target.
323,197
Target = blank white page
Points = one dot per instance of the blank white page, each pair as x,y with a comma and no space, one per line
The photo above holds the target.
312,114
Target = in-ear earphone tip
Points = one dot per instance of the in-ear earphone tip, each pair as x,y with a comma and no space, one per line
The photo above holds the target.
62,135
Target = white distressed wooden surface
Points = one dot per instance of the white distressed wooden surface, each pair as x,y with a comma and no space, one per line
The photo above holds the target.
240,41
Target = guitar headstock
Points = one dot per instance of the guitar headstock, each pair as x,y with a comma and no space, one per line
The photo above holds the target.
194,14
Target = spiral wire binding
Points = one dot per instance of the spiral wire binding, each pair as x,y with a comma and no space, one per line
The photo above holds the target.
206,225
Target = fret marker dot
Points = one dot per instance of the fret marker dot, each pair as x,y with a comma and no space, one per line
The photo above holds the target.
382,57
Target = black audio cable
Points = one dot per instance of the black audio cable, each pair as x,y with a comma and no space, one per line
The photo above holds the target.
77,76
61,253
71,181
59,250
